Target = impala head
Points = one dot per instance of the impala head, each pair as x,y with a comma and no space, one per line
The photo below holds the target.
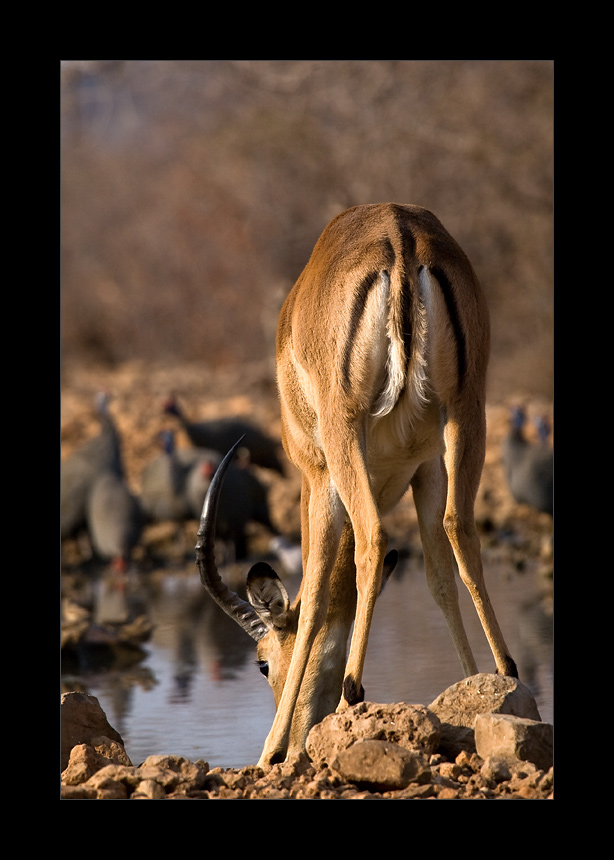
267,616
269,599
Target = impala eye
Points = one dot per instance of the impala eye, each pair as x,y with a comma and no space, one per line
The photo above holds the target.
264,667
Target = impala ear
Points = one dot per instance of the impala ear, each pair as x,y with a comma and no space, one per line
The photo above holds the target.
267,594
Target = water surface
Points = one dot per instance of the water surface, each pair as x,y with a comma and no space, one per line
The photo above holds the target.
199,693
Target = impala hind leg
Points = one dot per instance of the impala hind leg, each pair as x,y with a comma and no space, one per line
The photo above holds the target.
464,461
429,486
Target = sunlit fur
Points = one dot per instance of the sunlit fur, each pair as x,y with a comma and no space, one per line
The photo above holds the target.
382,349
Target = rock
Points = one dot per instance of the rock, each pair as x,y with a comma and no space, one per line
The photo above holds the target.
175,772
86,760
458,706
368,752
148,789
112,782
411,726
158,777
81,720
381,766
496,769
76,792
509,737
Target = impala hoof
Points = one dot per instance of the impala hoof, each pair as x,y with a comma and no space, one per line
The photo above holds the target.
350,692
511,670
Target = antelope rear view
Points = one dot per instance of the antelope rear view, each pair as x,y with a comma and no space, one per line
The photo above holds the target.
382,350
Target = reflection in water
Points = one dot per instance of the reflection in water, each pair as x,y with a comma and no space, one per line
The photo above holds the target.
199,693
535,651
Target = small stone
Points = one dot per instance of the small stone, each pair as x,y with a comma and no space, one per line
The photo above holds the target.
84,762
150,789
450,770
111,750
77,792
173,771
496,769
381,766
447,793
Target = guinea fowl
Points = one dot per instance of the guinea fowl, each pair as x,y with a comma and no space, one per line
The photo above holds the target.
236,506
243,500
529,467
80,470
543,429
114,519
163,483
221,435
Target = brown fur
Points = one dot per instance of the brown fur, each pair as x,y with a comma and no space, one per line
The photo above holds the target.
382,349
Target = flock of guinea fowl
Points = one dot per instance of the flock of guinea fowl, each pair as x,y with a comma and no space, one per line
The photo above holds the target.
98,505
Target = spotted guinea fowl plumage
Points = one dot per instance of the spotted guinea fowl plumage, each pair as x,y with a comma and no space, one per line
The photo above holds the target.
529,466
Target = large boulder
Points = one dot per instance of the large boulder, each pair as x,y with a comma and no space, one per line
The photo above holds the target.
459,705
81,721
410,726
514,738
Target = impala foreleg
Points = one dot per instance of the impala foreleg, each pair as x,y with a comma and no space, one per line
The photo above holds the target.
354,488
326,519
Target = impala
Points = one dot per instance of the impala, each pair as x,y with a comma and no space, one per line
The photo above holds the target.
382,350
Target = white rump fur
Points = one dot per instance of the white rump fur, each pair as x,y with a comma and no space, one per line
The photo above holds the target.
416,384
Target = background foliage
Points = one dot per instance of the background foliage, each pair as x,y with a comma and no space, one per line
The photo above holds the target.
192,193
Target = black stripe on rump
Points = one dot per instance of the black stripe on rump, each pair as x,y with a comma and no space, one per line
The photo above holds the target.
358,309
459,334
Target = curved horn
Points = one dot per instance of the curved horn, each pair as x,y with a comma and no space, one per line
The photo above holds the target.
242,611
